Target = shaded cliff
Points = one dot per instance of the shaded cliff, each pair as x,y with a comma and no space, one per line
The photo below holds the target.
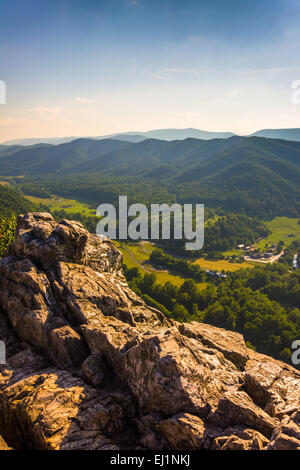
91,366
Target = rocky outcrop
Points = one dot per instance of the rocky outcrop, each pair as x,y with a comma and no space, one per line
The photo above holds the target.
91,366
3,445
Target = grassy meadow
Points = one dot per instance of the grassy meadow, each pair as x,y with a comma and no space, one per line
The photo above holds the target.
221,265
136,255
59,203
281,228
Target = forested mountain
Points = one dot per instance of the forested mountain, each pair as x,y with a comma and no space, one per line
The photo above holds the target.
202,158
12,202
45,158
6,150
250,175
287,134
129,137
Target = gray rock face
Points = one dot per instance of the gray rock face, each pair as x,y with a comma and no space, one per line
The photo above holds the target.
91,366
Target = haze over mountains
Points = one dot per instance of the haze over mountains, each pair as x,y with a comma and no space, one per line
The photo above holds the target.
287,134
252,175
163,134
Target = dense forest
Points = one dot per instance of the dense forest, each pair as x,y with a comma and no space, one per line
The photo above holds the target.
13,202
261,303
7,232
223,233
253,176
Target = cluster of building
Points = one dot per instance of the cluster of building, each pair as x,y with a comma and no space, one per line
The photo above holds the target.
217,274
254,254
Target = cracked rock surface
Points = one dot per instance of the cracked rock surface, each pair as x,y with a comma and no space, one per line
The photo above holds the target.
91,366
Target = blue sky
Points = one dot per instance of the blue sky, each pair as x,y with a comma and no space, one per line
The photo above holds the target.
75,67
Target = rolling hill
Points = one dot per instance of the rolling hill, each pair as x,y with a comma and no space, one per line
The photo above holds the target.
152,154
45,158
252,175
287,134
12,202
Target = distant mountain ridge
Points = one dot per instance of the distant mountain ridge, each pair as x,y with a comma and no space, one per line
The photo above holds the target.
162,134
286,134
181,134
42,140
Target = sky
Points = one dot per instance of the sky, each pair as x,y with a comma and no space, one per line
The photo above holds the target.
95,67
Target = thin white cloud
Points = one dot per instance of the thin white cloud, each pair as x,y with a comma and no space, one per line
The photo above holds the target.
50,113
152,74
48,110
188,71
273,69
157,76
83,99
191,71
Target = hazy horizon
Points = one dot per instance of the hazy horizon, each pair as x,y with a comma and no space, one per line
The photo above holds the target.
129,132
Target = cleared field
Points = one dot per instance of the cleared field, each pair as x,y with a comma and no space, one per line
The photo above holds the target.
281,228
233,252
142,251
59,203
221,265
284,229
136,255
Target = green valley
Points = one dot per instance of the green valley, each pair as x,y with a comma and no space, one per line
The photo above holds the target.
250,189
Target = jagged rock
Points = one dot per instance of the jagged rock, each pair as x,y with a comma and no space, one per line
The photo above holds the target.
47,410
94,370
229,343
3,445
240,439
236,407
286,436
43,241
91,366
183,431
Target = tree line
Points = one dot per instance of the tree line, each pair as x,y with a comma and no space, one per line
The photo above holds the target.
261,303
